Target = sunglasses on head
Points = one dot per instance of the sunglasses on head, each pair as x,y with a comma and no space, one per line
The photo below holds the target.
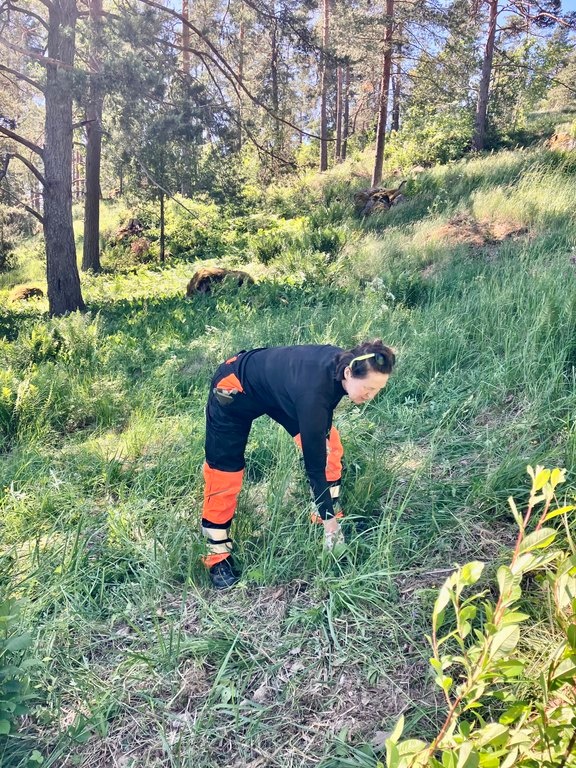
379,359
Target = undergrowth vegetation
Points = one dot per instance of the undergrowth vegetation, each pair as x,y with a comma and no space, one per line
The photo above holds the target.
129,659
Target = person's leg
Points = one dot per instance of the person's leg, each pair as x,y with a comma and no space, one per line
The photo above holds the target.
221,489
227,430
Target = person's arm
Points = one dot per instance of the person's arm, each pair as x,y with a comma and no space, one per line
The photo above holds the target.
313,420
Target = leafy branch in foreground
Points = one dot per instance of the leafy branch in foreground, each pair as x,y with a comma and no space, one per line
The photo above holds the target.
13,667
480,652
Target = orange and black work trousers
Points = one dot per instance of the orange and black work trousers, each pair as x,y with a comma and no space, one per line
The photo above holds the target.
228,423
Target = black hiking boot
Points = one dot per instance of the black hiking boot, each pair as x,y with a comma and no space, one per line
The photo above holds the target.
223,575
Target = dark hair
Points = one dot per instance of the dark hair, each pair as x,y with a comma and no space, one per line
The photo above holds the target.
382,359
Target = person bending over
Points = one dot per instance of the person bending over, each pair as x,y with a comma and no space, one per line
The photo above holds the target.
299,387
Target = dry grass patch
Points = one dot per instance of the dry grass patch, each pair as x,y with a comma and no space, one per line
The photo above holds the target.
465,229
281,693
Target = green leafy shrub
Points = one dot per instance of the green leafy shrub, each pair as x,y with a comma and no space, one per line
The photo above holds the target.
476,660
14,666
8,397
329,240
195,231
335,211
7,257
267,245
428,137
73,340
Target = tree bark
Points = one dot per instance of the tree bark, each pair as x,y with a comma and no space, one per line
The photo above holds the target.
384,89
91,250
339,105
346,114
162,230
64,294
396,91
480,119
324,88
241,44
274,57
185,37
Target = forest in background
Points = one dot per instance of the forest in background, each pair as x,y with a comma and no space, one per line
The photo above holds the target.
146,99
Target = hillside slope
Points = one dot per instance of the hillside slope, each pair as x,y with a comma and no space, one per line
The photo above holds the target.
472,280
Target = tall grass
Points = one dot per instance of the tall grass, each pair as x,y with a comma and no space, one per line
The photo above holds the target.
137,661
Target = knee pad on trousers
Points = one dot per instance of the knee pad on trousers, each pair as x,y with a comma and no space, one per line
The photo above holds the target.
221,491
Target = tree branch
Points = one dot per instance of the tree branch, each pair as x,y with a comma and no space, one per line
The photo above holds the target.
39,57
219,61
264,150
549,78
11,7
20,76
31,167
26,207
21,140
161,188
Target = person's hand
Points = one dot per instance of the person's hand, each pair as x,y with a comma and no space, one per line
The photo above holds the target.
333,535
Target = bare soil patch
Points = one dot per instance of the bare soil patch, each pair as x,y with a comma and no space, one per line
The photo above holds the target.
465,229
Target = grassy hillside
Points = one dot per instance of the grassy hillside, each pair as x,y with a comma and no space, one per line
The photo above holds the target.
137,662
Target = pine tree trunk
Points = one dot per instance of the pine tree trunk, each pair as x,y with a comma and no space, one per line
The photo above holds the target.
277,131
162,230
324,88
480,119
91,250
384,89
64,294
339,105
186,37
346,113
241,44
396,92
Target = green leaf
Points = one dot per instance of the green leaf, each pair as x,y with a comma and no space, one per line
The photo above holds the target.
392,755
19,643
513,617
36,757
559,511
508,584
411,747
468,613
566,670
4,727
467,756
510,759
541,479
436,664
511,667
517,515
537,540
488,760
490,733
397,732
557,476
471,572
441,602
513,713
571,634
504,641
